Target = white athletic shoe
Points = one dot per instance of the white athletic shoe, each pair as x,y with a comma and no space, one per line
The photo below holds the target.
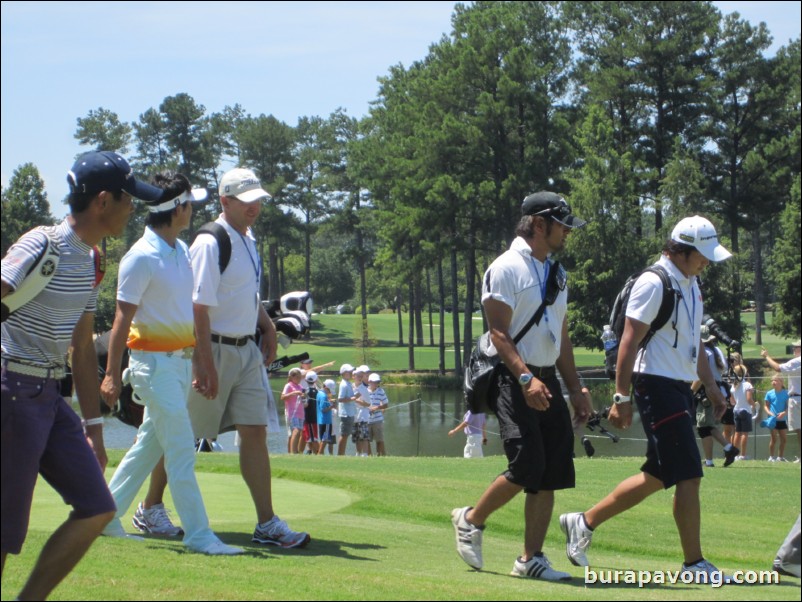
155,520
275,532
704,572
577,538
469,538
538,567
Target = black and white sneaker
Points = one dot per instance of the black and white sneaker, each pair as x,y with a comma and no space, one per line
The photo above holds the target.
538,567
469,538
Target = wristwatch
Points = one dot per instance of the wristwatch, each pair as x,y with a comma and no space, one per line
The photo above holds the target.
524,379
619,399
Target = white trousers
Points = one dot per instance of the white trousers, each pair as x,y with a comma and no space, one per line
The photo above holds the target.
162,382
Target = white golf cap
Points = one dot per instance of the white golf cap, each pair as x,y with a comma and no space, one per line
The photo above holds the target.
698,232
363,369
346,368
311,376
329,384
374,378
242,184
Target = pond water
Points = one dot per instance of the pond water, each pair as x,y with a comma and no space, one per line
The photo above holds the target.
417,424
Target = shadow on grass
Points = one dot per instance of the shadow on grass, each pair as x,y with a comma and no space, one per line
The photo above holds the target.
316,547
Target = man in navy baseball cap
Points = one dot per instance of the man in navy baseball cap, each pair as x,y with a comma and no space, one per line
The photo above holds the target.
97,171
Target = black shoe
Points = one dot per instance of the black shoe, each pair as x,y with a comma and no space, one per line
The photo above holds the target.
729,456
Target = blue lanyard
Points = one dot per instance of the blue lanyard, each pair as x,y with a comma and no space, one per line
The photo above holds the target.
257,268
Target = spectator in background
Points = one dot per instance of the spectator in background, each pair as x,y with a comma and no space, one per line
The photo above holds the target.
777,406
745,411
475,432
294,399
346,407
792,369
378,403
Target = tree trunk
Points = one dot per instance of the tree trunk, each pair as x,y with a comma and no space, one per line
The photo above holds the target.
441,292
455,313
759,295
411,344
429,296
418,288
470,276
400,320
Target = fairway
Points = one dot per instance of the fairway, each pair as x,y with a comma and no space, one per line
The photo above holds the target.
381,531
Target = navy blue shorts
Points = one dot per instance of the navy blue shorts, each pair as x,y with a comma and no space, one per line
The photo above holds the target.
666,411
41,434
539,444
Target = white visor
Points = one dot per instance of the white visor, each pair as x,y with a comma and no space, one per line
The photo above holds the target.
196,195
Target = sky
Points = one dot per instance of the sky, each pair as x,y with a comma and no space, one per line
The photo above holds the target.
288,59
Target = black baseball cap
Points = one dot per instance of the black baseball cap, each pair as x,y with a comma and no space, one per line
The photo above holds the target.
553,205
96,171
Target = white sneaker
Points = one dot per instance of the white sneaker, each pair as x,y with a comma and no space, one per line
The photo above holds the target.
786,568
218,548
703,567
538,567
469,538
115,529
275,532
577,537
155,520
772,459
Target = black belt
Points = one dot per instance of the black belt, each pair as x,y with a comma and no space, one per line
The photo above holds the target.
236,341
542,372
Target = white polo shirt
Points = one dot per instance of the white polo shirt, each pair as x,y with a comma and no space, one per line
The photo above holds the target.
792,369
517,279
158,279
662,356
233,297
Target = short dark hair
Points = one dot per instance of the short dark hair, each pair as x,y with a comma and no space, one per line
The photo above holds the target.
79,201
174,184
672,247
526,227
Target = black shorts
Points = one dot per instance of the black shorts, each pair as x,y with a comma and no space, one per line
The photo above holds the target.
728,418
666,411
539,444
743,421
781,425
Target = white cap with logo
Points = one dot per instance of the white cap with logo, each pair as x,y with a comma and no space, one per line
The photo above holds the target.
698,232
242,184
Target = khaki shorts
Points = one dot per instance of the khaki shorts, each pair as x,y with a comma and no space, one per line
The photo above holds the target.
241,397
376,430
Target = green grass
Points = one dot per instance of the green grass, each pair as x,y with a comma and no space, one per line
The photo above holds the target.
381,531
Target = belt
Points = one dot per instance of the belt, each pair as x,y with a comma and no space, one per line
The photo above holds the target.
186,352
542,372
236,341
30,370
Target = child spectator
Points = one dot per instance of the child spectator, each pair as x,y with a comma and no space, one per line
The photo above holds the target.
777,406
294,400
324,421
361,434
744,411
378,403
474,427
311,437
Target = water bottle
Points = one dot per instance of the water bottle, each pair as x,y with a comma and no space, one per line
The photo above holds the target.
608,338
